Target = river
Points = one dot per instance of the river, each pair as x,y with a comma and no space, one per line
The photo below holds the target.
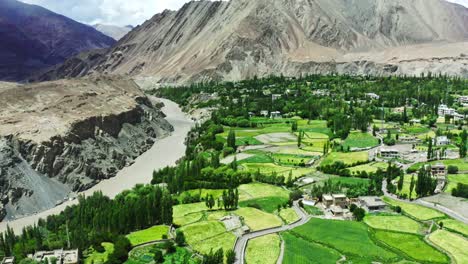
165,152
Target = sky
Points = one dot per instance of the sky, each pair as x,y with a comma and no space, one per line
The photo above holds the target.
118,12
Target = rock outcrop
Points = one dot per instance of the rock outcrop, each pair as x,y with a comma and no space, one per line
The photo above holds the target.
63,136
237,39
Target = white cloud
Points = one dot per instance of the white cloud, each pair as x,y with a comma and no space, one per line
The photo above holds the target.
115,12
119,12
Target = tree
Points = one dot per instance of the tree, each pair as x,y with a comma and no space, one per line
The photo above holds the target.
230,256
359,214
452,169
158,256
299,139
180,238
400,182
231,139
411,188
429,150
294,126
463,144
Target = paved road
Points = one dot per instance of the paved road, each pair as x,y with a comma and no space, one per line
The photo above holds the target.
439,208
241,243
165,152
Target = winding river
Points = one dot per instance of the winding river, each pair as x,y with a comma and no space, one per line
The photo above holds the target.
165,152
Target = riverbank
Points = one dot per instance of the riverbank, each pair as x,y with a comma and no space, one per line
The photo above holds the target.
165,152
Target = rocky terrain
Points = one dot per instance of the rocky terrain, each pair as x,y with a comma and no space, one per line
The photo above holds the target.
34,38
237,39
66,136
112,31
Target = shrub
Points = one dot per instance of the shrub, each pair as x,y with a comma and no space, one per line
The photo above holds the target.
452,169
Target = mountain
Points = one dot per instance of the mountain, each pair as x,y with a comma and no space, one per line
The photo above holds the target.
35,38
237,39
68,135
112,31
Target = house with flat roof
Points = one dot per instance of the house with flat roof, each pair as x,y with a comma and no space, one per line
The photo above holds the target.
444,110
60,256
389,153
372,96
340,200
275,97
336,210
438,170
8,260
327,200
441,141
463,99
371,203
275,114
264,113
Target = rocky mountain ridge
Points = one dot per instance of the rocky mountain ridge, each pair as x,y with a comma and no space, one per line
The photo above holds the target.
113,31
237,39
63,136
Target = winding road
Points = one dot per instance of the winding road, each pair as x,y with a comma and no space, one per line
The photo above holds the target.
241,243
165,152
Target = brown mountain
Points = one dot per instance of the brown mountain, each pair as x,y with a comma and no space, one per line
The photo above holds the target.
34,38
231,40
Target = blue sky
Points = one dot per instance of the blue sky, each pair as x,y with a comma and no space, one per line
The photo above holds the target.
118,12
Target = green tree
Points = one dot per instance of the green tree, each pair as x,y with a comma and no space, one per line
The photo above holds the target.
429,150
180,238
158,256
230,256
412,183
359,214
400,182
299,139
231,139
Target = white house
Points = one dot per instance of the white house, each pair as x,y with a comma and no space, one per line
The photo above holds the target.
275,97
389,153
441,141
264,113
463,99
445,110
372,96
275,114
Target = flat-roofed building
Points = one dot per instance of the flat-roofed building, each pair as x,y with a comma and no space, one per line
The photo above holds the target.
327,200
389,153
340,200
371,203
438,170
8,260
336,210
60,256
441,141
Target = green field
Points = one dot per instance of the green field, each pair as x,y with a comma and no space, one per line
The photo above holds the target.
462,164
99,258
312,210
454,244
456,226
454,179
202,192
300,251
145,255
203,230
258,220
348,158
417,211
267,204
350,238
291,160
185,214
412,246
406,186
148,235
269,168
258,190
369,167
360,140
224,240
263,250
393,223
288,215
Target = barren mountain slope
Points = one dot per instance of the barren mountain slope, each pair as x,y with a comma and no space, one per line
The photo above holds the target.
241,38
112,31
67,135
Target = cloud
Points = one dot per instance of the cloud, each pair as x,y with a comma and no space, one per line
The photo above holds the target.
119,12
115,12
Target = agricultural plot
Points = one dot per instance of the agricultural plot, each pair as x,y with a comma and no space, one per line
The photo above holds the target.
148,235
369,168
348,158
350,238
267,204
263,250
417,211
185,214
291,160
416,129
203,230
225,241
258,190
462,164
288,215
412,246
457,226
100,258
454,179
312,210
258,220
406,186
393,223
269,168
301,251
452,243
360,140
201,192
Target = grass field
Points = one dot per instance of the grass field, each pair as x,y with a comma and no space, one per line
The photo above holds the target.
267,204
100,258
147,235
289,215
290,160
456,226
349,238
269,168
202,192
454,244
300,251
202,230
263,250
406,186
360,140
417,211
258,190
369,167
258,220
412,246
394,223
462,164
312,210
224,240
349,180
185,214
454,179
348,158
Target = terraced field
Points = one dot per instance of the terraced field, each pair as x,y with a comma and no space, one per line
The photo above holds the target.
147,235
263,250
454,179
360,140
454,244
419,212
258,220
301,251
394,223
349,158
100,258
